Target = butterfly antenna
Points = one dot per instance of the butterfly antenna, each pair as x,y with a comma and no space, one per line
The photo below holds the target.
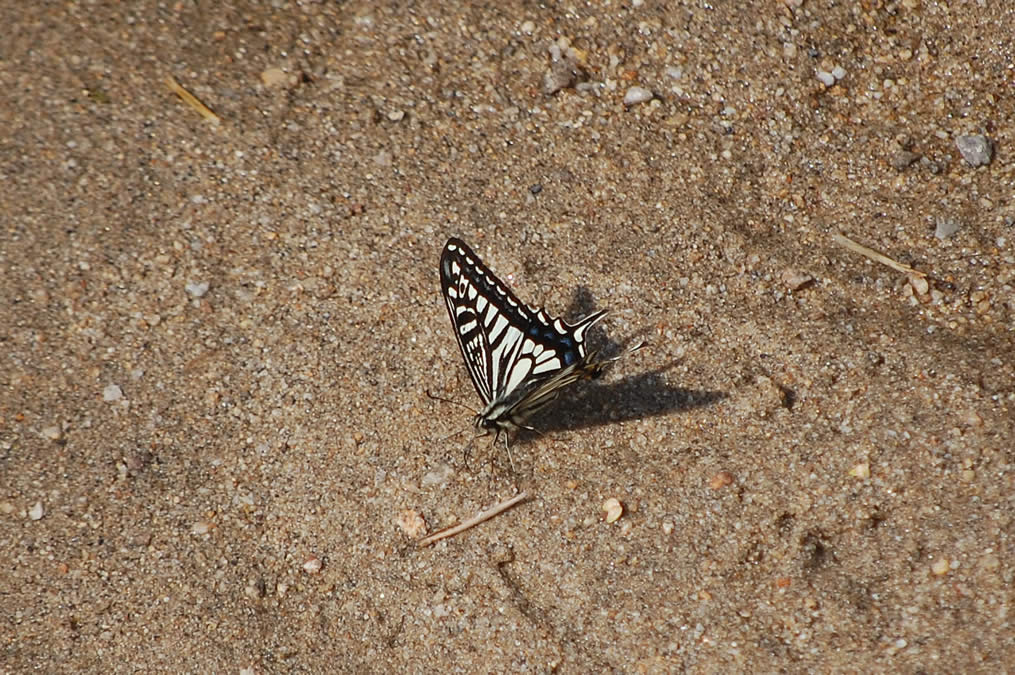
448,400
441,440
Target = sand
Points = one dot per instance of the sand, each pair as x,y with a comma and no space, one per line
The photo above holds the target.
216,444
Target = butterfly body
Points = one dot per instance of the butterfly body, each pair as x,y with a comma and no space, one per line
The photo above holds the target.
519,357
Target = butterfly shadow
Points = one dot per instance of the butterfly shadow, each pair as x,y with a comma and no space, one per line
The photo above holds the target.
631,398
597,403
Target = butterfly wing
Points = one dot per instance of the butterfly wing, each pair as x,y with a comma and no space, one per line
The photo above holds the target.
517,356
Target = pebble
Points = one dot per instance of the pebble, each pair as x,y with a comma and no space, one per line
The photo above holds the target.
721,480
37,511
411,523
976,149
612,510
861,471
563,73
197,289
946,227
201,527
274,76
312,565
635,95
795,279
825,77
920,285
112,393
903,158
52,432
940,566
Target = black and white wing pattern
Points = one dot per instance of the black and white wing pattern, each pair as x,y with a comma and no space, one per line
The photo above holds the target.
518,357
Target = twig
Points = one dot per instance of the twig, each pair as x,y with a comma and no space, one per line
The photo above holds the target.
191,100
875,256
472,522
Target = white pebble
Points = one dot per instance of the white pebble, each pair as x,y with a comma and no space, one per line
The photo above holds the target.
52,432
976,149
826,77
946,227
612,510
197,289
36,512
637,95
112,393
838,73
200,527
312,565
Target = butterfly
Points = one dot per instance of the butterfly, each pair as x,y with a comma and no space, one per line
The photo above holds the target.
519,357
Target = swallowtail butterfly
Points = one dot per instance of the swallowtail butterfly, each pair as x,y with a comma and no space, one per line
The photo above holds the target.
519,358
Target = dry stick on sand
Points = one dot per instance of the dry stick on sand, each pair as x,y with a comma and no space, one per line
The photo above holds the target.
875,256
472,522
191,100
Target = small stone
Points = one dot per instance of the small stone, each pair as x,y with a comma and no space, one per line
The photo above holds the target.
721,480
635,95
861,471
795,279
396,115
976,149
256,589
971,418
946,227
412,523
197,289
438,476
36,512
52,432
838,73
312,565
564,72
903,158
667,527
273,76
201,527
940,567
112,393
825,77
612,510
919,284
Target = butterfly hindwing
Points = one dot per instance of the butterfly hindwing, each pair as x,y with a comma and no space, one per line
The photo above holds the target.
518,357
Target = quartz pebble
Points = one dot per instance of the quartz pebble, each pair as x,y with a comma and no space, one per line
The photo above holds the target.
637,95
612,510
976,149
197,289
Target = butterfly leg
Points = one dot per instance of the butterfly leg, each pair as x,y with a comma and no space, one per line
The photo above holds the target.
507,446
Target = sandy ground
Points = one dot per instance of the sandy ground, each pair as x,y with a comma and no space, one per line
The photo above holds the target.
215,439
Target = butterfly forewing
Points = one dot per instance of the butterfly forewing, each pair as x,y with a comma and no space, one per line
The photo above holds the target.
517,356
